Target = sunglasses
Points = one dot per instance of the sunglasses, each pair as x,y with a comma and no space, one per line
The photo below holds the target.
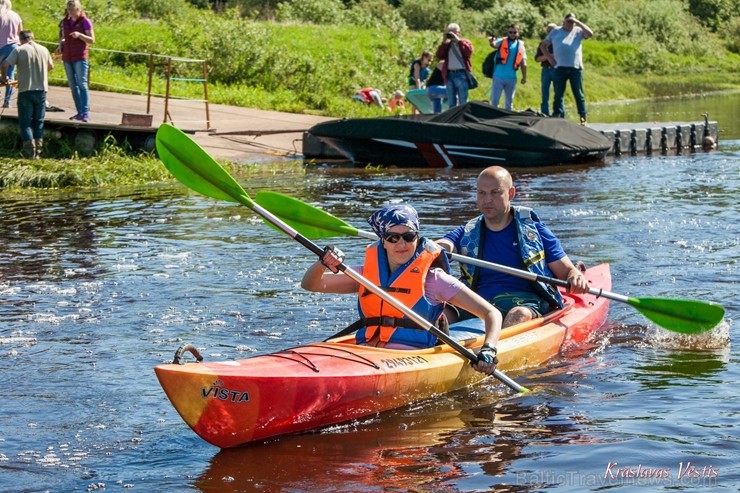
396,237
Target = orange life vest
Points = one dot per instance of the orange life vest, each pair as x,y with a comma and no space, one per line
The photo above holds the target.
503,53
407,286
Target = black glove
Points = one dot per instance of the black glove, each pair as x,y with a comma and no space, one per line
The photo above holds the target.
332,252
487,356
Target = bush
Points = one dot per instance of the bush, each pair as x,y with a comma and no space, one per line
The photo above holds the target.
733,32
498,19
375,13
715,13
422,15
314,11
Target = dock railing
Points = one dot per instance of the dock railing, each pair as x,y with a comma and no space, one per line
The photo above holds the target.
174,79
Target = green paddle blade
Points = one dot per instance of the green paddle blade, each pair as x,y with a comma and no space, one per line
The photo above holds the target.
195,168
308,220
683,316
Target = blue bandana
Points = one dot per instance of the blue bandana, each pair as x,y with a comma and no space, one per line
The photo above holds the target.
394,215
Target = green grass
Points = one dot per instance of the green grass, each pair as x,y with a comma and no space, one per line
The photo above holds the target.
641,49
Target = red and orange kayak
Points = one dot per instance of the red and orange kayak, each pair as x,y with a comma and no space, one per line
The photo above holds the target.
231,403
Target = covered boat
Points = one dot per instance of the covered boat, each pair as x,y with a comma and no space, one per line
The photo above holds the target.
231,403
471,135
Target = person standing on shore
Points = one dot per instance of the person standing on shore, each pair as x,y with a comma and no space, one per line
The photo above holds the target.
510,57
567,57
10,27
456,52
544,55
34,62
75,35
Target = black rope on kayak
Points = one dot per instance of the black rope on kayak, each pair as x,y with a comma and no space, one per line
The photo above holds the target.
308,363
356,358
189,348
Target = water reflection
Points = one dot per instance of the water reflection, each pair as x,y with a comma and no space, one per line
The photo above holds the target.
424,449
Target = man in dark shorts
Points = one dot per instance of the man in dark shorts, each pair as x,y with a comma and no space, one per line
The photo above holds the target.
515,237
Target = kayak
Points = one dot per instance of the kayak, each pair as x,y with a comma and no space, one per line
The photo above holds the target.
232,403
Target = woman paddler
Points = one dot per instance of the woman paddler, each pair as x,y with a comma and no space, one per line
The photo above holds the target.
415,271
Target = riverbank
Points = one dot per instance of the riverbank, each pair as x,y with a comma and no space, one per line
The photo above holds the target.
270,141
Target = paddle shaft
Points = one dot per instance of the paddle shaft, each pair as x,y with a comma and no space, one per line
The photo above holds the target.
356,276
681,316
524,274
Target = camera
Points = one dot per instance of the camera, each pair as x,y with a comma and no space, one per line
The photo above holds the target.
449,36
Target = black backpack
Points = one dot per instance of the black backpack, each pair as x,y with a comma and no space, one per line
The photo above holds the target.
488,64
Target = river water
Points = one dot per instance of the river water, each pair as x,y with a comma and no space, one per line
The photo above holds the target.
96,288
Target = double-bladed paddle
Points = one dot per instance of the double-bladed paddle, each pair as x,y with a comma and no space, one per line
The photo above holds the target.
195,168
677,315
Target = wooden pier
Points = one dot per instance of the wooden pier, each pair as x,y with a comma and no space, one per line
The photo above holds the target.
657,137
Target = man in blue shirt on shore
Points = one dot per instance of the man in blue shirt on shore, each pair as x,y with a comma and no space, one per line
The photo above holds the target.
510,57
567,58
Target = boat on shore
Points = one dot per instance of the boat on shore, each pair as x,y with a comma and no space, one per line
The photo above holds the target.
232,403
472,135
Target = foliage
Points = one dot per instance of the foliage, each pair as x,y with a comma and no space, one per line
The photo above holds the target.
377,14
733,32
499,18
715,13
425,15
314,11
315,68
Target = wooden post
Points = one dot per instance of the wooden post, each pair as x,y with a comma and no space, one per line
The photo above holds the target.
167,91
205,93
149,84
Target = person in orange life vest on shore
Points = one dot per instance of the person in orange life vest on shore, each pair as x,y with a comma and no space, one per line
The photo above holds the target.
413,270
510,57
397,104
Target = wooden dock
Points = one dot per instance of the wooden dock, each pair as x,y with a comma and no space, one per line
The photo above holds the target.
657,137
247,135
242,135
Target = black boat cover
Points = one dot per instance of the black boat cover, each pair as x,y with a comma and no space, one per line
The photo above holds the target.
472,123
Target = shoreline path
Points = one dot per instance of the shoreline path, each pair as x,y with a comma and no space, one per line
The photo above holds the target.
236,134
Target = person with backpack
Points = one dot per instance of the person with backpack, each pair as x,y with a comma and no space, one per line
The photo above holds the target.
510,57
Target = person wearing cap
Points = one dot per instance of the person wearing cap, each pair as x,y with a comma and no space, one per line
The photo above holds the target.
415,271
456,51
34,62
